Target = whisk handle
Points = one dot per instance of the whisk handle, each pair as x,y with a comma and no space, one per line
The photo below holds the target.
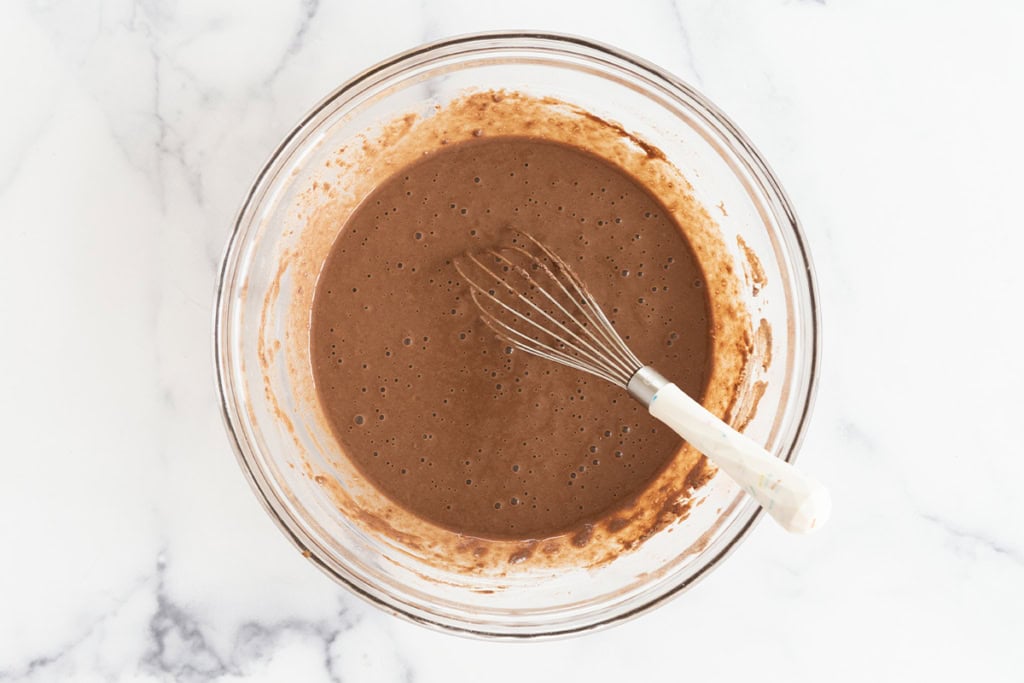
796,501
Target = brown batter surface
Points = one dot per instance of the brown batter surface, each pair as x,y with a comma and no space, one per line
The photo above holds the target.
448,421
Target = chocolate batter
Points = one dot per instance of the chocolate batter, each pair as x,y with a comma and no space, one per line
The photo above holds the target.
448,421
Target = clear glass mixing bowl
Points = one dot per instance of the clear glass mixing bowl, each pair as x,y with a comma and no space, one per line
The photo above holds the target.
268,426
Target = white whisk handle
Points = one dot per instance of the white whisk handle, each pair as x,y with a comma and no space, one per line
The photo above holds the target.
793,499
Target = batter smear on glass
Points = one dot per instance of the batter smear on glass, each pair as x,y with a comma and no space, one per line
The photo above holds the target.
447,420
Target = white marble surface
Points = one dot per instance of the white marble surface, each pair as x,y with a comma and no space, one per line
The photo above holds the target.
131,547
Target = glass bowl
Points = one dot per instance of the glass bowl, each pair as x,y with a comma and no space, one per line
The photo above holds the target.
284,450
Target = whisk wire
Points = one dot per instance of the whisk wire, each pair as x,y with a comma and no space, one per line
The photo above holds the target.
605,327
586,304
577,334
602,348
537,348
588,356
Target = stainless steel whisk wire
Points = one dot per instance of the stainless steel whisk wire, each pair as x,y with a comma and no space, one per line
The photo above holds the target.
585,339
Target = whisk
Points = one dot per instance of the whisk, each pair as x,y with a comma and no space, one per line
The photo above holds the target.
533,300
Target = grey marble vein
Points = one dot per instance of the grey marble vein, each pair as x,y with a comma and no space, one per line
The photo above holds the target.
177,644
963,537
179,648
431,22
309,10
687,43
15,158
40,664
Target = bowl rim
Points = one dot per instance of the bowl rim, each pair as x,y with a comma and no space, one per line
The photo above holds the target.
512,39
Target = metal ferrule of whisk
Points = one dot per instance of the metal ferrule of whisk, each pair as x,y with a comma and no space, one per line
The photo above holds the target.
645,384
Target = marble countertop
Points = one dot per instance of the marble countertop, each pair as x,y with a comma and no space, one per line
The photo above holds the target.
131,547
